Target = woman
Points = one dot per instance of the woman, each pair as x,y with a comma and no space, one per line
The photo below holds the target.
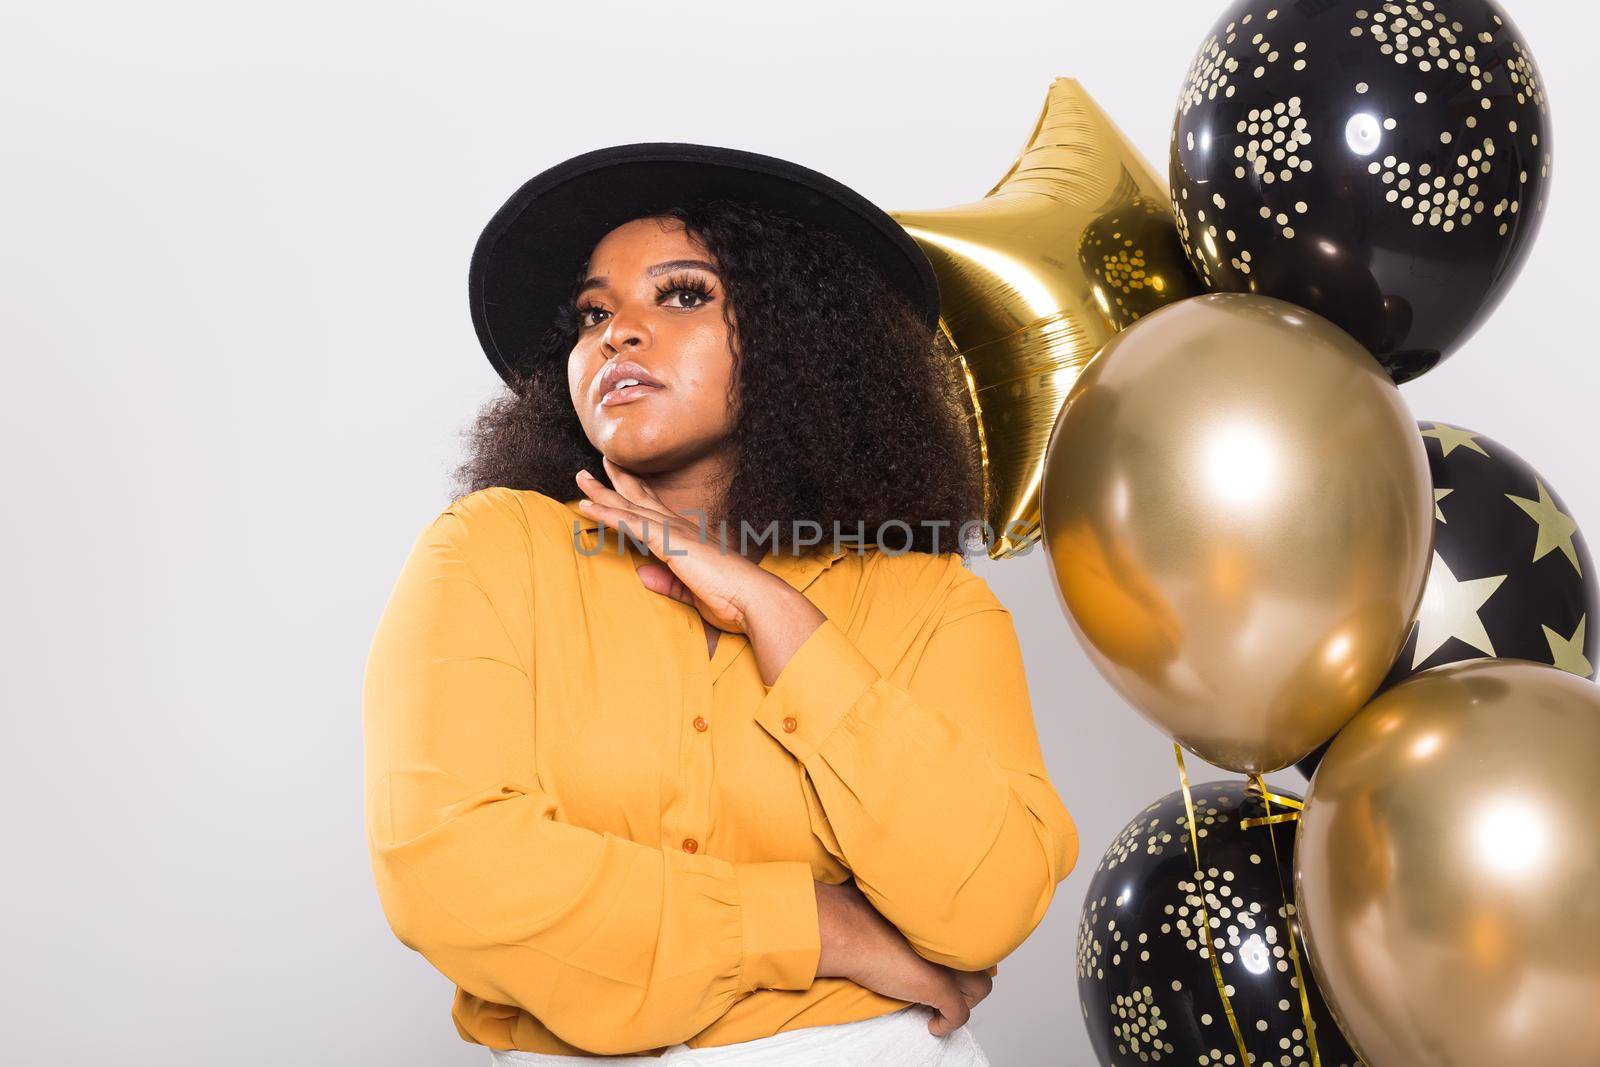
651,768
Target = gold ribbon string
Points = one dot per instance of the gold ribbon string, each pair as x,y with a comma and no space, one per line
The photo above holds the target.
1205,919
1250,824
1267,797
1259,787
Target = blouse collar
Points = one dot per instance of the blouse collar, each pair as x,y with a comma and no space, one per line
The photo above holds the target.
798,570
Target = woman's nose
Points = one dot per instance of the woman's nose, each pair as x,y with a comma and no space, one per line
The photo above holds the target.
625,330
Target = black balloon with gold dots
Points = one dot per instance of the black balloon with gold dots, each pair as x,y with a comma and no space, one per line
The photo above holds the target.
1385,164
1129,255
1144,985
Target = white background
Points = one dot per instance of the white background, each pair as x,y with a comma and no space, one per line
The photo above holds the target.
236,360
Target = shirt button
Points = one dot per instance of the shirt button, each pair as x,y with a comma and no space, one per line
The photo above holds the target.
689,844
788,726
700,723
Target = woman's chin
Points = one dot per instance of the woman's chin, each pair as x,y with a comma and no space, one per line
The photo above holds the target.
654,442
638,452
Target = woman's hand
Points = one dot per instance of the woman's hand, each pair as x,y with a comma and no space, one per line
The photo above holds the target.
863,946
728,590
695,568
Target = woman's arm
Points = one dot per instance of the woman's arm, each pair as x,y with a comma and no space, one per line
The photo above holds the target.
860,944
934,794
615,946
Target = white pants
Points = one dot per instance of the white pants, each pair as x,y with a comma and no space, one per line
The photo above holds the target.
898,1039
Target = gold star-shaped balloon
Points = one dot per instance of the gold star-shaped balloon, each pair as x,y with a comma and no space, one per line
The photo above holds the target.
1438,495
1074,243
1567,652
1555,528
1450,609
1451,438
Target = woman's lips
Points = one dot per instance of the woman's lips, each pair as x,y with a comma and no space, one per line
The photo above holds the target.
627,394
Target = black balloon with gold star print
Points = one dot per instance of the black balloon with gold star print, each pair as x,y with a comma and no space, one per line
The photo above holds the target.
1511,575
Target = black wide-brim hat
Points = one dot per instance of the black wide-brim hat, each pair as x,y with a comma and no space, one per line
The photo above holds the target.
527,259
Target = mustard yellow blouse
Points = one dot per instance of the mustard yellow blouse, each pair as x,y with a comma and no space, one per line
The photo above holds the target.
607,840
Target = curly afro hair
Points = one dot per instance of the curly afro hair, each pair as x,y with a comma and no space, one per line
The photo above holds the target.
850,412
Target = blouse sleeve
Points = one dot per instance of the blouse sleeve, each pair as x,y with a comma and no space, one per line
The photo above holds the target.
935,794
614,945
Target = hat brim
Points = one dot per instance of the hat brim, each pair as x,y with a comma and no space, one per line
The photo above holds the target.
526,260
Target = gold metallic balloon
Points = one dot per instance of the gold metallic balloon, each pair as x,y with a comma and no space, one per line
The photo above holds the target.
1446,870
1239,517
1075,242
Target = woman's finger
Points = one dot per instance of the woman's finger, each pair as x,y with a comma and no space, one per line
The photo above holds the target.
626,519
658,534
975,985
639,491
601,493
948,1003
598,492
653,520
658,578
950,1014
631,485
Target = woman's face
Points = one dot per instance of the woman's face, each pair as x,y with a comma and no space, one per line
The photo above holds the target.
651,307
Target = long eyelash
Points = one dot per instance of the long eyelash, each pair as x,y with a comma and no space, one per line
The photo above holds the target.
691,282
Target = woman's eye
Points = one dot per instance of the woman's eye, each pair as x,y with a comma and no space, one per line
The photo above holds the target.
685,291
682,297
680,294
